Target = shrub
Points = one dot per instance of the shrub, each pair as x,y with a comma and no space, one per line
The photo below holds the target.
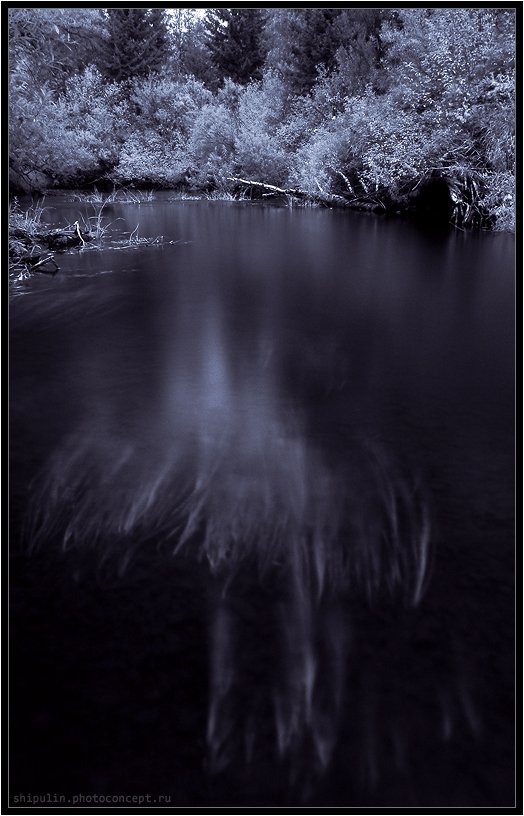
259,153
166,106
499,199
146,158
211,145
368,147
71,138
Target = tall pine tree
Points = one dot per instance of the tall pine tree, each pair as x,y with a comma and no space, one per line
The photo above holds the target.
299,42
138,42
233,39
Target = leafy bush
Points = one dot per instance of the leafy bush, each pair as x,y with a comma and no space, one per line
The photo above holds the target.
211,145
167,106
71,138
370,146
259,153
146,158
499,199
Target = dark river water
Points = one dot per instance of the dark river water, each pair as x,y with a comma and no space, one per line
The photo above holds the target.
262,512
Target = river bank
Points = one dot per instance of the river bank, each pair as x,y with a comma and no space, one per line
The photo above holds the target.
436,199
34,245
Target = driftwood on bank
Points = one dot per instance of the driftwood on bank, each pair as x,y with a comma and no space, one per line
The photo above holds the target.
438,197
327,199
22,259
273,190
37,263
21,264
27,248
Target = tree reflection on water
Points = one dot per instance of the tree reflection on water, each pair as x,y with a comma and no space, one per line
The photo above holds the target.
221,467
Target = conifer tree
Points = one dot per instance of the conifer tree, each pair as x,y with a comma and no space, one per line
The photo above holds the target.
233,39
300,42
138,42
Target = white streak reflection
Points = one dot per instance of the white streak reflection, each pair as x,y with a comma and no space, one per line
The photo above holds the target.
220,465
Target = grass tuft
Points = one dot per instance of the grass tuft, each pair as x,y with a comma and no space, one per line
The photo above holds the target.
122,195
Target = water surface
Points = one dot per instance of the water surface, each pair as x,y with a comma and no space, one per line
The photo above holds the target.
262,512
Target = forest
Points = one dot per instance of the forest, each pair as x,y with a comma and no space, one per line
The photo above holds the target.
363,106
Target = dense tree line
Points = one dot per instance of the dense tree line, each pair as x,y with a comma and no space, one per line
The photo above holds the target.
356,102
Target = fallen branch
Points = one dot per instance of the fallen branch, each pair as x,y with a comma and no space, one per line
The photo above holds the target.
44,262
271,189
367,202
343,177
